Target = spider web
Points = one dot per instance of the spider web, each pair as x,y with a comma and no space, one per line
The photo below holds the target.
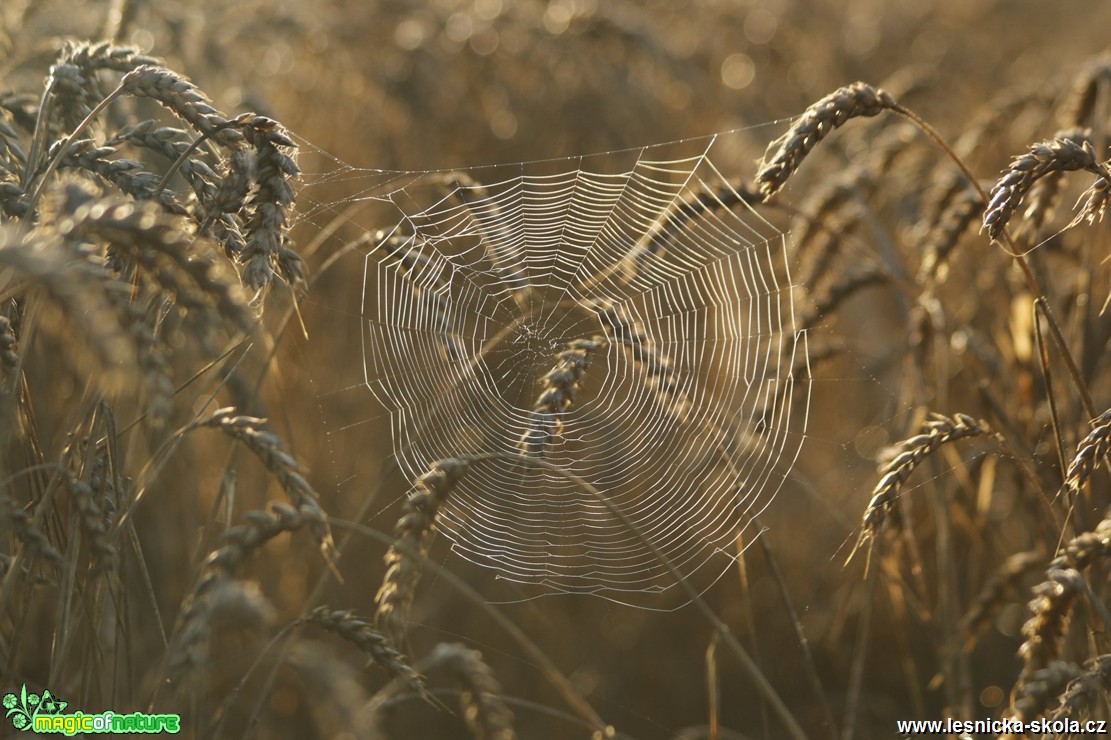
627,318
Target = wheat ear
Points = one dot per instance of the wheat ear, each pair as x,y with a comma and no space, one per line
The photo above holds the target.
414,532
817,122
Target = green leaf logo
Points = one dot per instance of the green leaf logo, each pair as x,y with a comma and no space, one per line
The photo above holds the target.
21,709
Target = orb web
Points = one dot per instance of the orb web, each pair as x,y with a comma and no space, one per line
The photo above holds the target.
629,320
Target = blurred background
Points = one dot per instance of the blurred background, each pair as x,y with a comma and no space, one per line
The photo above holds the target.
444,84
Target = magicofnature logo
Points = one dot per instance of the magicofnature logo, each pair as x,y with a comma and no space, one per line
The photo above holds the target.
45,713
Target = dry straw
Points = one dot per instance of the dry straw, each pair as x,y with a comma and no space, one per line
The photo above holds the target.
1079,107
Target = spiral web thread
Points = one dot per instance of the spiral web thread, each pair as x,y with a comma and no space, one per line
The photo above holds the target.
659,302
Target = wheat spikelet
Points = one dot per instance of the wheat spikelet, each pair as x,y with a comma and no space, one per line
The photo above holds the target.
956,217
1083,692
73,93
948,183
9,345
188,650
127,175
1089,452
487,214
156,242
557,395
185,100
360,634
1054,598
486,714
1096,199
151,353
84,473
103,55
418,270
414,532
817,122
909,453
322,697
995,591
78,287
660,237
12,157
1080,105
1052,603
33,538
228,196
1045,192
823,209
73,79
92,520
624,330
13,199
269,449
267,224
849,284
172,144
822,212
1085,549
1044,158
1034,695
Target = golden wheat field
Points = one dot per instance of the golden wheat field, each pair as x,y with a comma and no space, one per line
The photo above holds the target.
571,369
